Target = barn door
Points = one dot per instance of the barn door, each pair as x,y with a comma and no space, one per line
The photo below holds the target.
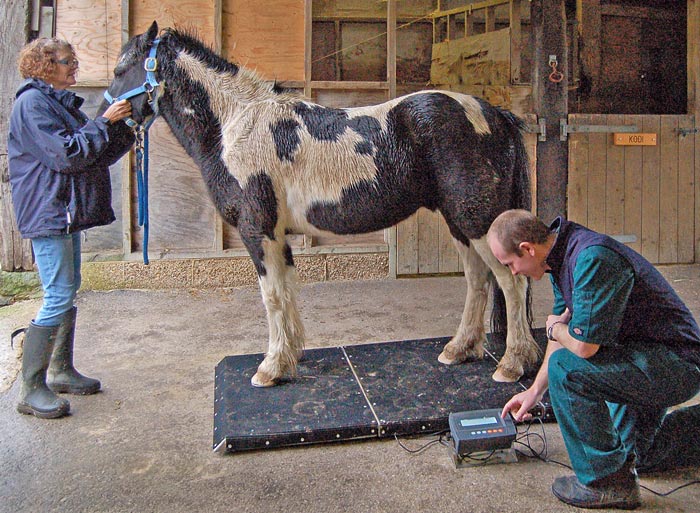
643,193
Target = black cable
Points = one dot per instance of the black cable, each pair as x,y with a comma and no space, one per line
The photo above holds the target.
439,434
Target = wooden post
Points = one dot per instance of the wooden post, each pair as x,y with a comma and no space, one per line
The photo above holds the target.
694,103
391,47
550,101
516,36
14,28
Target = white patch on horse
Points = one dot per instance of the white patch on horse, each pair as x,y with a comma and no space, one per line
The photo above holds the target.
320,170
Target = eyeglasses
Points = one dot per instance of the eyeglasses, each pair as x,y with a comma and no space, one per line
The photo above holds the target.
69,61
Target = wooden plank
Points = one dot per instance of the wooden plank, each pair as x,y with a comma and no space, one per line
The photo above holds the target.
448,258
668,190
197,15
614,184
182,216
15,253
650,193
687,202
407,246
93,28
391,48
516,36
597,150
479,59
590,27
693,70
428,241
633,188
577,186
267,39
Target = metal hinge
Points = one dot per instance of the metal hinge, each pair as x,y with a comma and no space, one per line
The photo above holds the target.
687,131
540,128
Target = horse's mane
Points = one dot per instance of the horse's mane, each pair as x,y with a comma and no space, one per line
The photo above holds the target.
188,39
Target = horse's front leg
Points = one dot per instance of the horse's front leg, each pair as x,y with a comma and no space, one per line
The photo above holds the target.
277,278
522,352
468,342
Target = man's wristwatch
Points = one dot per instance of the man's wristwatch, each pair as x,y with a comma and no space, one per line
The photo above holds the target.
551,327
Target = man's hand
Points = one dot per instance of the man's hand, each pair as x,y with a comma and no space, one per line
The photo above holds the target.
520,405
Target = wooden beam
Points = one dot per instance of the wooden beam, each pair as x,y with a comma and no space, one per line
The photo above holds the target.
391,47
550,101
516,36
127,183
218,46
694,104
308,43
15,253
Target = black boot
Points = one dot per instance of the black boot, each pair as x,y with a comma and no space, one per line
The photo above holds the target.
62,376
35,398
618,490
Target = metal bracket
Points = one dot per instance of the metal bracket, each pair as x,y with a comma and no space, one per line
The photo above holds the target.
566,129
688,131
540,128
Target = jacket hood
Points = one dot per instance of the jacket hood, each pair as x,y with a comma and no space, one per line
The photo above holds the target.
67,98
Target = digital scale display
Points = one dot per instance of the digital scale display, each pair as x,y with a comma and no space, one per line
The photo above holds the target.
481,430
479,421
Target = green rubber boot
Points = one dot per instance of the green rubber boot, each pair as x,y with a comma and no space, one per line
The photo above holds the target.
62,376
35,398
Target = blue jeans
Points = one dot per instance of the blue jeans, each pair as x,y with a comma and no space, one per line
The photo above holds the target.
58,260
614,404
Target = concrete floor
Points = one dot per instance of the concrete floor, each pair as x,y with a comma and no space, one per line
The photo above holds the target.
144,443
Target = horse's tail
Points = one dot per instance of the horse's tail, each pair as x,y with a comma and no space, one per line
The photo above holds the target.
521,197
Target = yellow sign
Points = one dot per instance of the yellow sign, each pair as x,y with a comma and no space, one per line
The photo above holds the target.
630,139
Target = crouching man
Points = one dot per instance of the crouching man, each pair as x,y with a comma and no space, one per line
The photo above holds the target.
623,348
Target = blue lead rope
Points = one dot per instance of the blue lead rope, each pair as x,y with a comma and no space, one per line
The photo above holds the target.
141,153
141,133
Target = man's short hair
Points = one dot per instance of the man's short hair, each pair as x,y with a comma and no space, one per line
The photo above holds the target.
512,227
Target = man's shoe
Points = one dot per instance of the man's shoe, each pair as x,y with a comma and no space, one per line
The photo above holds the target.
619,490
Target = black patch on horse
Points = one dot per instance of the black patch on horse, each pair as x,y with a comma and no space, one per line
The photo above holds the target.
286,137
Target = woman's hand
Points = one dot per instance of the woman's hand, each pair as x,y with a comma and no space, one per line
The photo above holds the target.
118,111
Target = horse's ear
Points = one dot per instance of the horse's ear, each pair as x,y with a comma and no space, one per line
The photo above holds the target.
152,31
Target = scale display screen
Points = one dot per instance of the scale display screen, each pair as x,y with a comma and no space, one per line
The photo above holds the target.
480,421
481,430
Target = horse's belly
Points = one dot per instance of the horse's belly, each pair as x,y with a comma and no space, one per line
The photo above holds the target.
344,218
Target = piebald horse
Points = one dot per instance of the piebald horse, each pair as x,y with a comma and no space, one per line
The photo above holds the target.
275,162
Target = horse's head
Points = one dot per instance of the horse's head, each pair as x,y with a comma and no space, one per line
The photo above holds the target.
135,76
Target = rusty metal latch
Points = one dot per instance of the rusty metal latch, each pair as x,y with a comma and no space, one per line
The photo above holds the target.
565,129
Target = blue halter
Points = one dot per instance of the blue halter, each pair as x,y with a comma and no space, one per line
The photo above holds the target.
150,65
141,134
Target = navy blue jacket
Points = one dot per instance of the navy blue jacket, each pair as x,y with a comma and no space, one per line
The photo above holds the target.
654,312
59,162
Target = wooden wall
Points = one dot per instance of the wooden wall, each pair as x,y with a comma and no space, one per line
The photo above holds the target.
648,192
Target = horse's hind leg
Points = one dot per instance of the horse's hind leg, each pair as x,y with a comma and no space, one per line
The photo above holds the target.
278,288
521,349
468,343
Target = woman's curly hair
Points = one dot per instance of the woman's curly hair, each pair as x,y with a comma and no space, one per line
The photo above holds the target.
38,58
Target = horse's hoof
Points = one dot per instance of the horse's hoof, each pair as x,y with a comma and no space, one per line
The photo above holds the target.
262,380
505,376
448,360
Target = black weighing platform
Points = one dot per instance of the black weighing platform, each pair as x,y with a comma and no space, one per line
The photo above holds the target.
353,392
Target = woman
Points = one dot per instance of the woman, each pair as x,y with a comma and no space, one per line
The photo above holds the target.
59,173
